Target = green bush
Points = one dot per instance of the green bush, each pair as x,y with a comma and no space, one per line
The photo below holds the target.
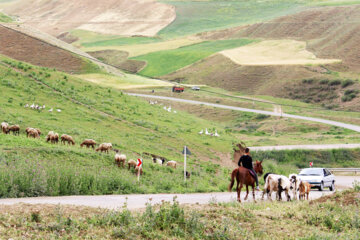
346,83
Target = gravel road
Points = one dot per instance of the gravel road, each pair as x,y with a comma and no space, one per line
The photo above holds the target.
138,201
329,122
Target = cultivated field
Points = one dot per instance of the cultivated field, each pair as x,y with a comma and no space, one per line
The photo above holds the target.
125,17
275,52
141,49
126,82
164,62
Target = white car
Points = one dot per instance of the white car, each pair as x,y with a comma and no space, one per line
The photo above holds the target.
318,177
195,88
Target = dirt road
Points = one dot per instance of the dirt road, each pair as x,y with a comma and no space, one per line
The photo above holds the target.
329,122
137,201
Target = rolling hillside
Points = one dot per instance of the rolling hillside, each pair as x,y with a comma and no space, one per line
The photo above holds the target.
25,48
125,17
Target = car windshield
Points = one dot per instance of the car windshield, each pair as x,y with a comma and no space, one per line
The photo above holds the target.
309,171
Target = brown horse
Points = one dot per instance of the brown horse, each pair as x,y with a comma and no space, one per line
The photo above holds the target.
243,176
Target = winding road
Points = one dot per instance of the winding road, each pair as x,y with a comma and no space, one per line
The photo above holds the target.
138,201
320,120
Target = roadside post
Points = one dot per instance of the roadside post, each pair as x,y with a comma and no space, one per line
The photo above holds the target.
186,152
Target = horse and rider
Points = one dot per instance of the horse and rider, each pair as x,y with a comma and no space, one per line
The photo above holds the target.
246,173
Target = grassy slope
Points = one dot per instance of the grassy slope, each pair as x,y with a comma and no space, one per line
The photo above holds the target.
330,217
5,18
31,167
199,16
135,127
121,41
164,62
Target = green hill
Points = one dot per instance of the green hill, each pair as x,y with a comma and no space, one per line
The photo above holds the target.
164,62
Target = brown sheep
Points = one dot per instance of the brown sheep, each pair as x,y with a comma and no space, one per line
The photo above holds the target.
32,132
171,164
52,137
131,164
88,143
27,130
5,127
68,139
15,129
120,159
104,147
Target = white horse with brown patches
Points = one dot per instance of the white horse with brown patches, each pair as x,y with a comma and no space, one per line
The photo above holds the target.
276,183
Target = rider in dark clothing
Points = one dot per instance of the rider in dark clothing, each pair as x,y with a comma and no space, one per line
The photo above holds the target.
246,162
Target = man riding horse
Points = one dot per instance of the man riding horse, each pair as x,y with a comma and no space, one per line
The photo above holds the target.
246,162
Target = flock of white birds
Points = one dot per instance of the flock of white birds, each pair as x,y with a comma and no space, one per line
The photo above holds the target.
39,107
209,133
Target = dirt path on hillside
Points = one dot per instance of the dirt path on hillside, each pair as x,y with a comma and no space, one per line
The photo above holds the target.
138,201
285,115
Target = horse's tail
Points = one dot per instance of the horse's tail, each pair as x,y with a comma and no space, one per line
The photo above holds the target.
233,175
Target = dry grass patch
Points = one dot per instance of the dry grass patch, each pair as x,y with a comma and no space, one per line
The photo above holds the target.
126,82
275,52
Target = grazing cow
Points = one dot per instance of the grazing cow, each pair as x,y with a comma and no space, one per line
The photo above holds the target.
88,143
294,184
15,129
120,159
171,164
132,164
5,127
277,183
52,137
68,139
104,147
304,189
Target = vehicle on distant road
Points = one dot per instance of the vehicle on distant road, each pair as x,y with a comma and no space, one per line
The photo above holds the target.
318,177
195,88
178,89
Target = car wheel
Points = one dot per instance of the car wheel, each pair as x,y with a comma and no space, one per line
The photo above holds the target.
332,187
321,188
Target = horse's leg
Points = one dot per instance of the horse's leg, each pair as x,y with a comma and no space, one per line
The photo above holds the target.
247,192
239,192
253,186
287,195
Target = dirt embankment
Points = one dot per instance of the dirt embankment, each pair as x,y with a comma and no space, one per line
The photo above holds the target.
24,48
220,71
119,17
330,32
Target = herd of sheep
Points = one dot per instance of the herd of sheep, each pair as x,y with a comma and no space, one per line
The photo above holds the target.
53,138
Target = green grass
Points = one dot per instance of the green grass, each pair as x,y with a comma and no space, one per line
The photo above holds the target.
135,127
32,167
199,16
121,41
164,62
333,217
4,18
